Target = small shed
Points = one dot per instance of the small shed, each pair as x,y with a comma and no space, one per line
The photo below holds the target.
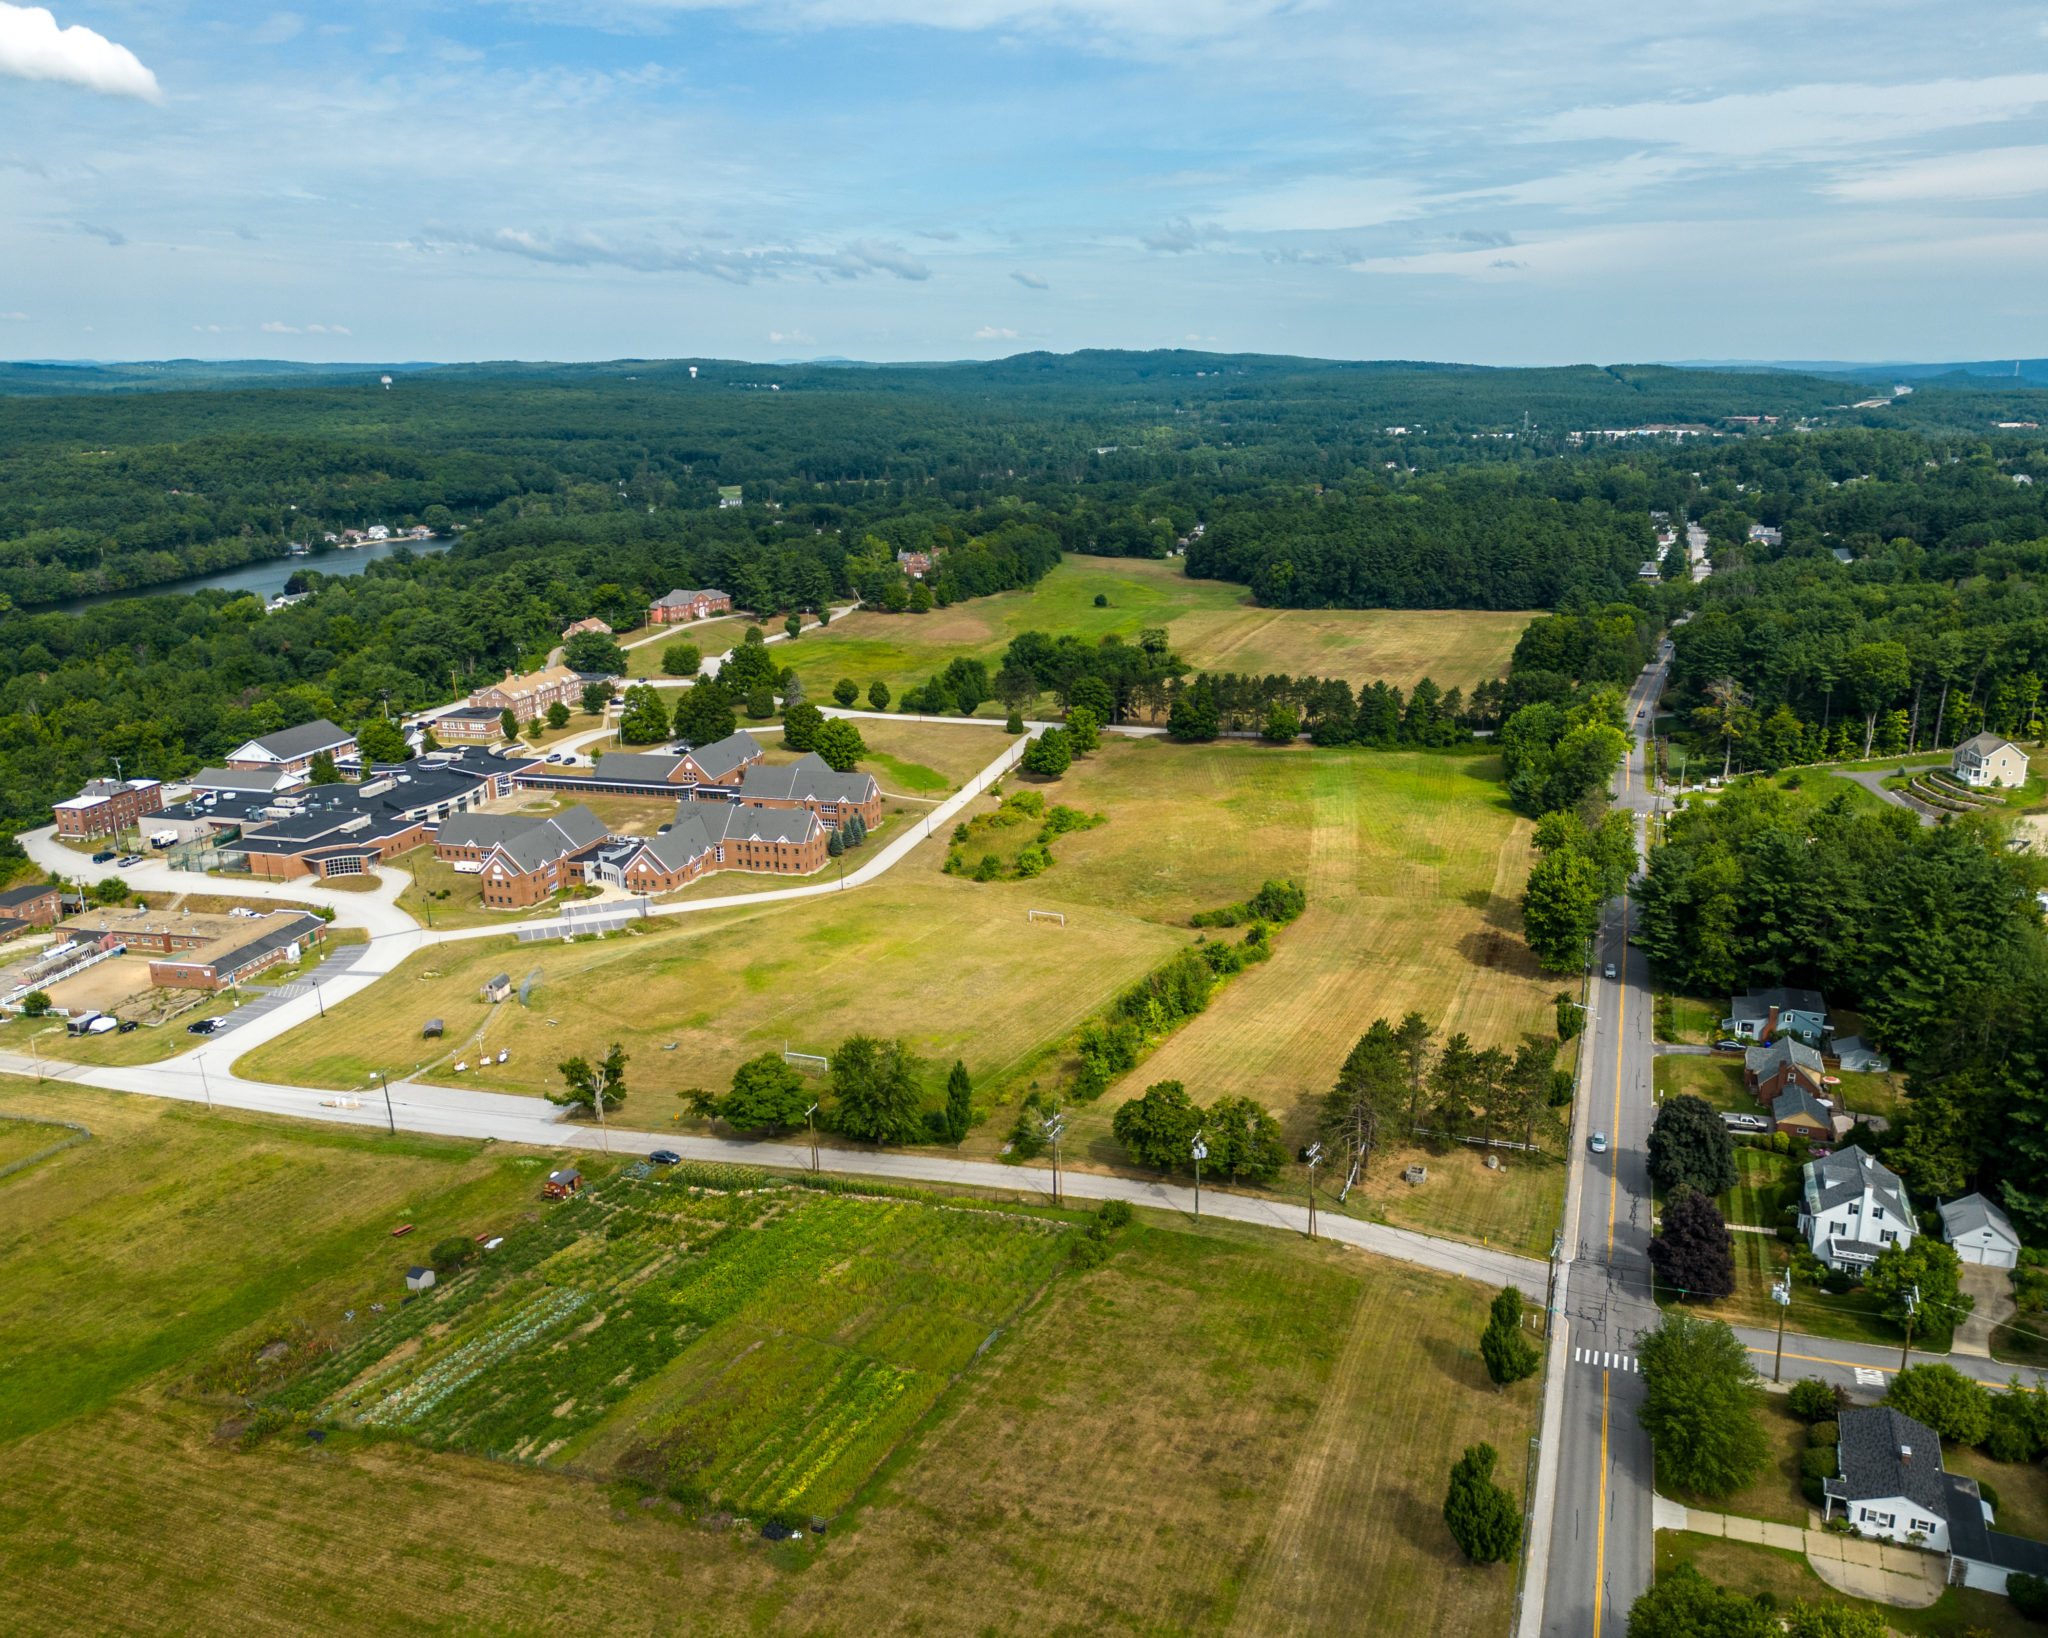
418,1279
1415,1174
562,1184
1980,1232
432,1032
499,988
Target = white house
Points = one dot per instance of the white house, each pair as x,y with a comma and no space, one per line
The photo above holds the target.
1989,760
1851,1208
1980,1232
1889,1480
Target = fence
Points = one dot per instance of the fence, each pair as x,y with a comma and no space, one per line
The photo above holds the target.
79,1134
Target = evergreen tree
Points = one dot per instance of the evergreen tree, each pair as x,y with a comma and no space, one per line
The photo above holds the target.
1509,1355
508,723
959,1103
323,771
846,691
1084,732
1693,1253
1483,1518
1015,724
834,847
1689,1147
878,695
645,719
800,725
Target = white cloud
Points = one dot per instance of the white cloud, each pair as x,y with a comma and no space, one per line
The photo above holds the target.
33,47
273,327
1990,173
14,318
780,336
989,332
113,236
1031,281
583,248
1137,20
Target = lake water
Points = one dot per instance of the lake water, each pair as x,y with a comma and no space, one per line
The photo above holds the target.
266,578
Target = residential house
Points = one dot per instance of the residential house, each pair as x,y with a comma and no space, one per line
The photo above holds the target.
107,807
1851,1208
291,750
1798,1113
1856,1058
1649,572
1988,760
529,696
256,943
1786,1062
729,494
1980,1556
578,627
680,607
1980,1232
810,782
1763,535
1889,1480
530,866
39,904
915,564
1762,1014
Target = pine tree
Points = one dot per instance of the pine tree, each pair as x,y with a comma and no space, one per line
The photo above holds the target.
1509,1355
1483,1518
959,1103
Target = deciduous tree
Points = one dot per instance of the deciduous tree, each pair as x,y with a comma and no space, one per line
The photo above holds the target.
1689,1147
1697,1406
1157,1129
840,744
1693,1253
596,1086
877,1087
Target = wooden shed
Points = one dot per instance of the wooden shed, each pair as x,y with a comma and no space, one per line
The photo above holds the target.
562,1184
499,988
418,1279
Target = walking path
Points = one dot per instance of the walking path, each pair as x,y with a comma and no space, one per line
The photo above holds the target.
1901,1576
1874,783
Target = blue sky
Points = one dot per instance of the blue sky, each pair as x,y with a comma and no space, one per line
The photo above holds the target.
1505,183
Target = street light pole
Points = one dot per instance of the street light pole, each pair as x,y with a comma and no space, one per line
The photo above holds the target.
204,1085
1782,1296
1315,1159
1200,1151
384,1081
1912,1308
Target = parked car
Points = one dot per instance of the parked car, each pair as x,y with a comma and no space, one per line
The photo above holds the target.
665,1157
104,856
131,859
127,1024
205,1026
1747,1123
1599,1143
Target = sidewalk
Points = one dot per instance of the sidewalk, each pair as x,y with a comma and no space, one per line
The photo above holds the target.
1901,1576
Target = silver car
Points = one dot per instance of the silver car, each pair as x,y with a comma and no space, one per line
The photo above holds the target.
1599,1143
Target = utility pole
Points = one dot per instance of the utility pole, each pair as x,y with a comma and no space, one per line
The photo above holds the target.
603,1137
1315,1159
204,1085
1550,1286
811,1123
1912,1308
1781,1294
384,1081
1055,1127
1200,1151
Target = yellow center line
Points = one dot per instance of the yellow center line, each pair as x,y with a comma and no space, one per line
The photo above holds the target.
1818,1359
1600,1549
1620,1020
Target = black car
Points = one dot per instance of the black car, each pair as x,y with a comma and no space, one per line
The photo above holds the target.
125,1025
205,1026
665,1157
104,856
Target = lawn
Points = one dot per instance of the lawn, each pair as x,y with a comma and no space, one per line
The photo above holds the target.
21,1138
1221,1430
1694,1022
1213,625
927,957
1763,1258
1751,1569
2022,1488
643,658
1774,1492
1765,1180
1516,1206
1717,1079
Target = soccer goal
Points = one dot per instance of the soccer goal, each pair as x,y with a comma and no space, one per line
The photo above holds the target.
809,1063
1045,915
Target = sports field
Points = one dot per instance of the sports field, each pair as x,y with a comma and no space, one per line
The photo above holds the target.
1212,623
1222,1430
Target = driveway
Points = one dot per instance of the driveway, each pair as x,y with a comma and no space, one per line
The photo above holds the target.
1874,783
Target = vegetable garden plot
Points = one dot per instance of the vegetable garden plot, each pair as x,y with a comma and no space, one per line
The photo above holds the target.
763,1345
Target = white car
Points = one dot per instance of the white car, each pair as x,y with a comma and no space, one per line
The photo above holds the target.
1599,1143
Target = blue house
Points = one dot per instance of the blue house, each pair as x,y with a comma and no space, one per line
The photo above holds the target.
1764,1015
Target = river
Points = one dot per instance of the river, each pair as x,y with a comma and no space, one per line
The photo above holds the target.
266,578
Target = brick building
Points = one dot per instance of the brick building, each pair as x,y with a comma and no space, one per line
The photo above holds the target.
704,838
39,904
810,782
106,807
680,607
718,767
529,696
237,955
540,859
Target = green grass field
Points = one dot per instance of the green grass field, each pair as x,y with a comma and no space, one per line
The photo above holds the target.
1212,623
1222,1430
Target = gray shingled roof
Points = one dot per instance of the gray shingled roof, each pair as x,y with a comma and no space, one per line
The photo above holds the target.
1874,1466
1796,1100
303,740
1758,1003
1971,1213
634,768
1984,744
721,756
1842,1175
485,830
770,824
679,597
240,779
554,838
810,778
24,895
690,836
1762,1061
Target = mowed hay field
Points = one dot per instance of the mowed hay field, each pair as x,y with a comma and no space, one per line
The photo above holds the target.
1221,1431
920,955
1213,625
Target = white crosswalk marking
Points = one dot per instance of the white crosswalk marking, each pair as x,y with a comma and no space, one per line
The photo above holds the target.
1603,1360
1867,1378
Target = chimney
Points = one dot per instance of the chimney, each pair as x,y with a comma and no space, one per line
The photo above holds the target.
1906,1455
1771,1024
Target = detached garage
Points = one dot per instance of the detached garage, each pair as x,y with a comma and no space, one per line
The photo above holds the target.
1980,1232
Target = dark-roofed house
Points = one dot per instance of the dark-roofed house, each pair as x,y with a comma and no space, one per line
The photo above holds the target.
467,838
293,749
1889,1481
35,905
713,770
811,782
681,606
1786,1062
1851,1207
1980,1232
1762,1015
1800,1114
259,942
1980,1556
531,865
704,838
